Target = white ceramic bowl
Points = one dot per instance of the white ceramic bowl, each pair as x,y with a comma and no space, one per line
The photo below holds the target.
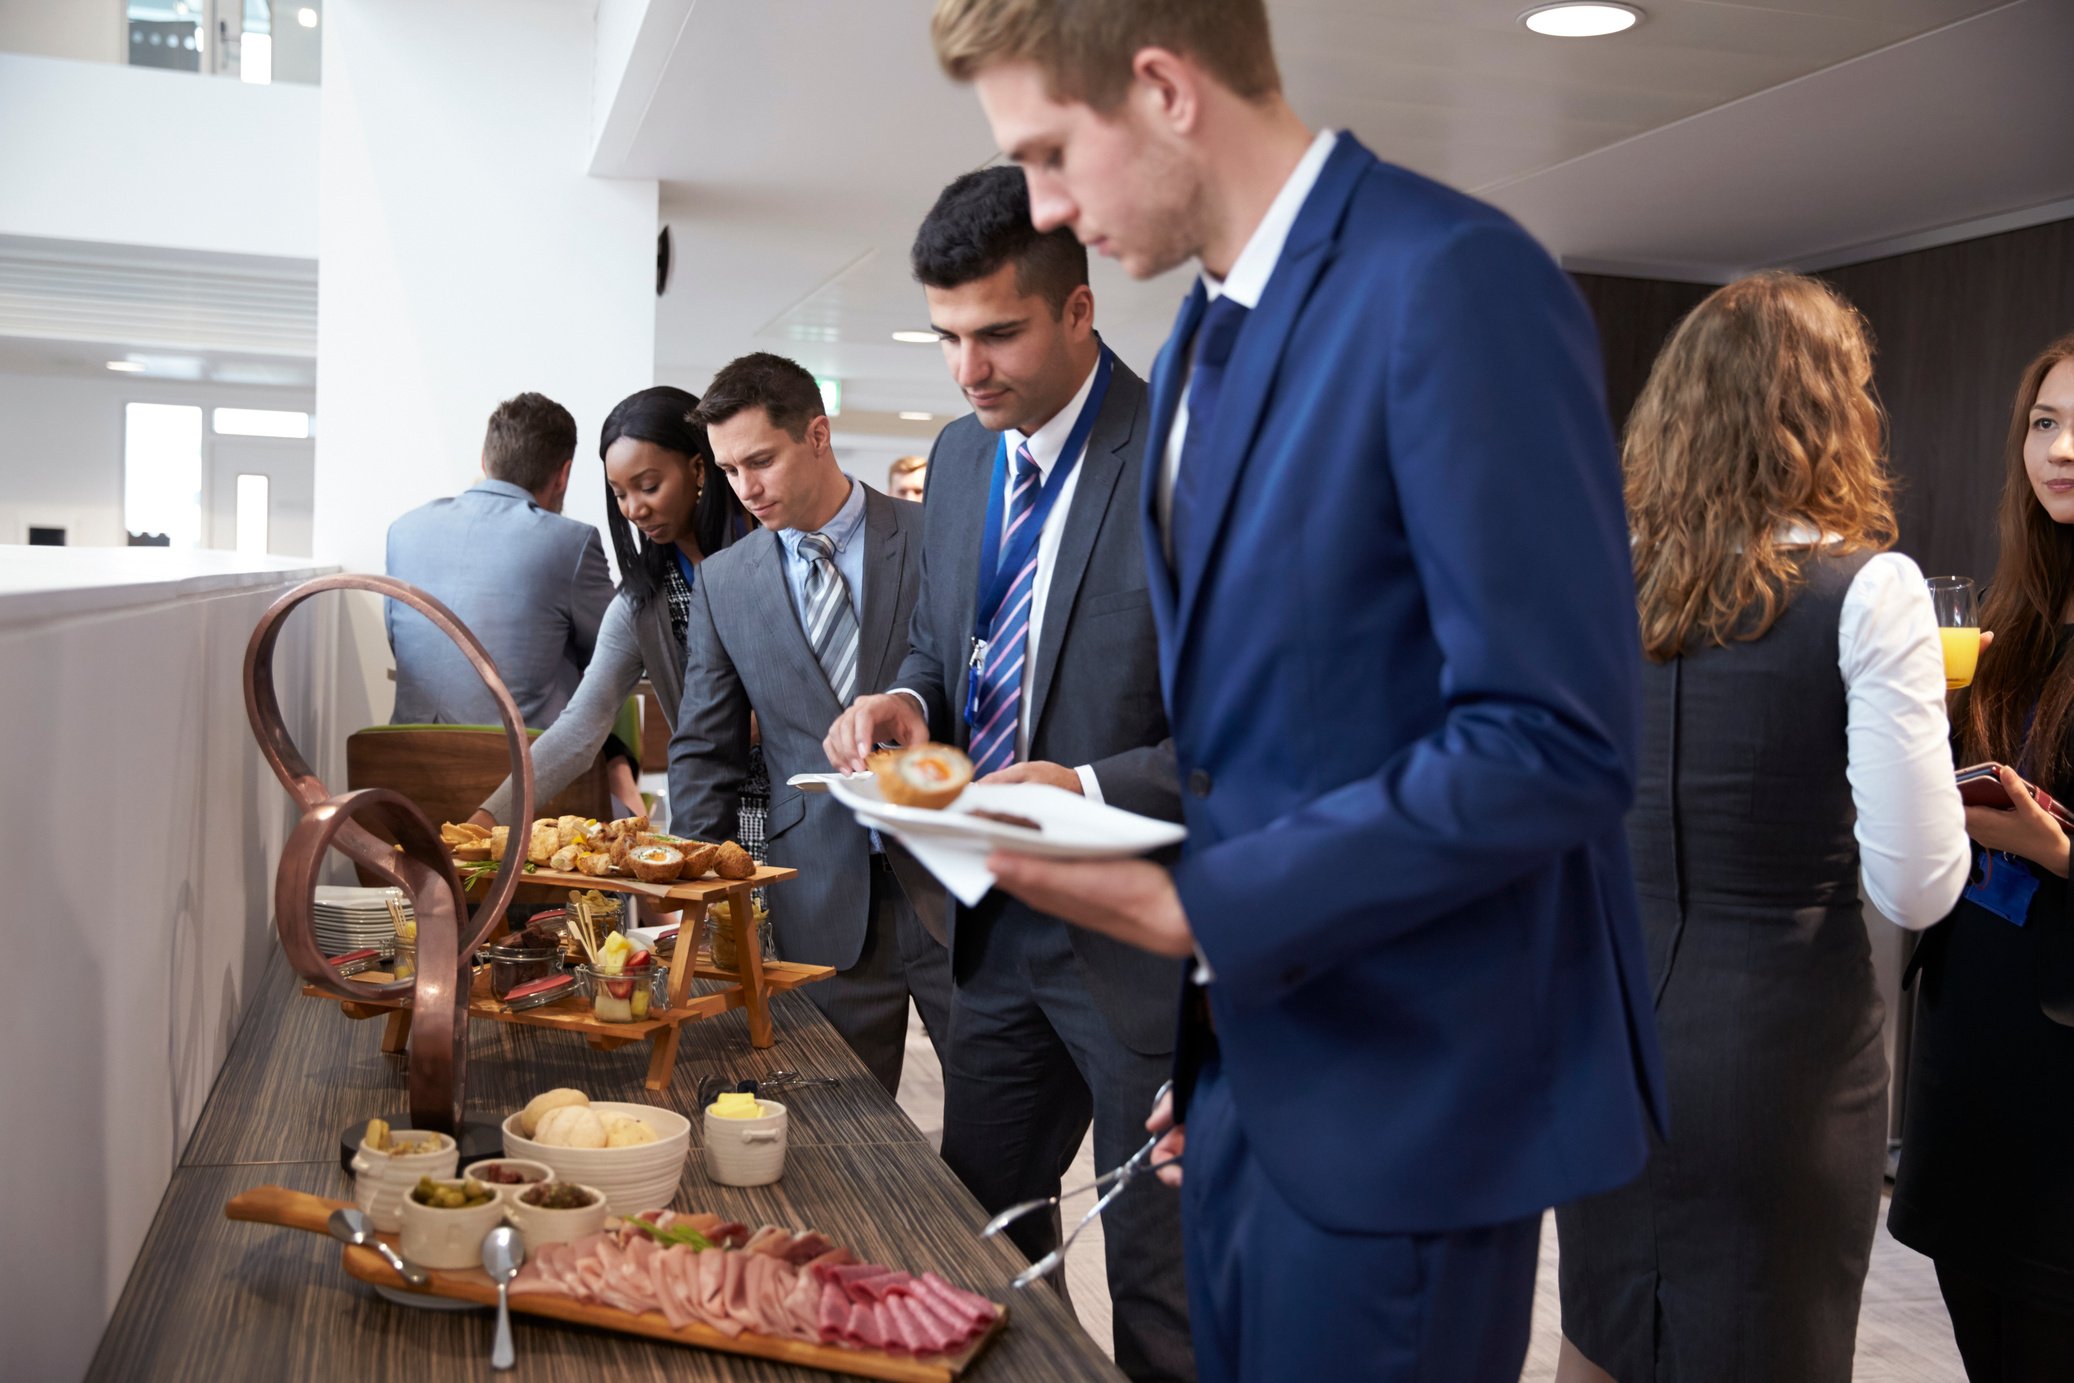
747,1152
642,1177
534,1172
434,1238
381,1179
537,1226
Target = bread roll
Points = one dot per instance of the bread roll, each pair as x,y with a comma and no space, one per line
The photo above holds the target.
625,1131
534,1112
571,1126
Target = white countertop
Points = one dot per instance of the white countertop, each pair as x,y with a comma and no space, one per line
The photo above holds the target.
38,584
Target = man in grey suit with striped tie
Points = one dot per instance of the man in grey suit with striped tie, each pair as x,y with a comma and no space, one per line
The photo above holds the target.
790,625
1032,647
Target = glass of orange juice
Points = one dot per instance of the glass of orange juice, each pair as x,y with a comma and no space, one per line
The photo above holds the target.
1956,602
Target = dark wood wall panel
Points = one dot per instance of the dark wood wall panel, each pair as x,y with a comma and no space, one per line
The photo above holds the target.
1953,327
1635,318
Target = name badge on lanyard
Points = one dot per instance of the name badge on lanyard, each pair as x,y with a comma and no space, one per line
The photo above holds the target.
998,569
2005,888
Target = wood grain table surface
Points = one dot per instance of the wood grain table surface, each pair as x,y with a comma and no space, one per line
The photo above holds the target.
213,1299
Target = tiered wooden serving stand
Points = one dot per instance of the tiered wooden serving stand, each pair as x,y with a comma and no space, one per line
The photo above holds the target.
751,988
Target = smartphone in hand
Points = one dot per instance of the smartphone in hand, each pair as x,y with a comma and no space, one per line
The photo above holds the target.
1981,786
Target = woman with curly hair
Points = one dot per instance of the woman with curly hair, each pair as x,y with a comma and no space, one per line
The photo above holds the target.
1984,1186
1795,744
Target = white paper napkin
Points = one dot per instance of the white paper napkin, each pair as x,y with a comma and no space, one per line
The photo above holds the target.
959,867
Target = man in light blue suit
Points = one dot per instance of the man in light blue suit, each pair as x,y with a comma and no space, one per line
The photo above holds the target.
1389,566
532,585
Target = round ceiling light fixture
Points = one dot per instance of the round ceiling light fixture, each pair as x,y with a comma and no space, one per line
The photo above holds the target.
1581,20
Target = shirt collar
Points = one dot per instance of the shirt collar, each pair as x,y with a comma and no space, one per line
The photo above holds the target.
504,487
1049,440
838,530
1256,263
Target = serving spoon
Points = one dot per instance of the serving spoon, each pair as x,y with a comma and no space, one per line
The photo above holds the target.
502,1254
351,1227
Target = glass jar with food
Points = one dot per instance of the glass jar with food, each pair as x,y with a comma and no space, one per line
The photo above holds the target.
522,957
720,935
624,982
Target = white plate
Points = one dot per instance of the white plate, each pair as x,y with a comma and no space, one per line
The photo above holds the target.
1068,825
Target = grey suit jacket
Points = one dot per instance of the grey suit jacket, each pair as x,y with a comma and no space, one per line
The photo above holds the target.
1095,694
533,586
745,651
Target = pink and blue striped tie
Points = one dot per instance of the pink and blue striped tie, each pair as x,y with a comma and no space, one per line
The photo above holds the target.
1001,679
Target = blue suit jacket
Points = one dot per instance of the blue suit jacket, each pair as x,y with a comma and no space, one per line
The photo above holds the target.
1401,659
533,586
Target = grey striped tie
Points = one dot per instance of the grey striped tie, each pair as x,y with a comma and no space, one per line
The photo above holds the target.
831,623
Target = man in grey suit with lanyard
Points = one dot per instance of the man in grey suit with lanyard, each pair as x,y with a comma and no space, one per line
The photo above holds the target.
791,624
1032,648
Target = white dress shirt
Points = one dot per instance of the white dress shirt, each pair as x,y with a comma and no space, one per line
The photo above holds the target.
1245,283
1047,448
1913,853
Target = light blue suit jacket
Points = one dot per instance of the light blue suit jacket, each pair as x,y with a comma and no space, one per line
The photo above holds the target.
531,585
1399,651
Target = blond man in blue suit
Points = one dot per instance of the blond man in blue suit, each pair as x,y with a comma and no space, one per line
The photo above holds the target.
1403,680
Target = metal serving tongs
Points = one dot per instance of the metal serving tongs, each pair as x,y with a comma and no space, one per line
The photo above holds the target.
1116,1180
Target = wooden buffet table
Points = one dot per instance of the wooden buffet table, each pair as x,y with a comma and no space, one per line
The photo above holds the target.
211,1298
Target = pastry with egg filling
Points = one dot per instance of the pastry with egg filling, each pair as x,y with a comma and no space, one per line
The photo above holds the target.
928,775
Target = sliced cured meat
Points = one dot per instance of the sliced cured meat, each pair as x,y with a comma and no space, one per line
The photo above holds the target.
852,1274
833,1258
864,1326
981,1311
951,1325
833,1320
880,1286
710,1286
917,1335
771,1240
807,1247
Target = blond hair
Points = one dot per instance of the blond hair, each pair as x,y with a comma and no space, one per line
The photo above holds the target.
1084,48
1758,414
905,464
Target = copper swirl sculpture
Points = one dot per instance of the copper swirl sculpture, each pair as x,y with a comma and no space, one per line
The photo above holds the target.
418,863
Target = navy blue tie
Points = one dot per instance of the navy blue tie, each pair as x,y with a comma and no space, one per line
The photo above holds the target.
1215,337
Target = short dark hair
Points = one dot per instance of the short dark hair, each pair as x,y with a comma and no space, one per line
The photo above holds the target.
530,438
981,222
780,387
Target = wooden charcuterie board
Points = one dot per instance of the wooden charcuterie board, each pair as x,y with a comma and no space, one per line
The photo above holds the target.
277,1205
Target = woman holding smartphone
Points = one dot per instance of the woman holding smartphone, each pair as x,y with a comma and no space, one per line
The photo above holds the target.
1986,1183
1794,744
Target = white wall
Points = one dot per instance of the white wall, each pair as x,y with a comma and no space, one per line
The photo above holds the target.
61,446
466,256
121,674
87,30
125,155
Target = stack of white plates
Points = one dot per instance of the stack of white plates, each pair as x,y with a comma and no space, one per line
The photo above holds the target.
349,919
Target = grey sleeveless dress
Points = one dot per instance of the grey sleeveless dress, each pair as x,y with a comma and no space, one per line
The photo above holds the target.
1740,1253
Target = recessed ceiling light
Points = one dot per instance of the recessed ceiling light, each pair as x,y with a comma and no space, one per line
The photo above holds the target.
128,367
918,417
916,338
306,17
1574,20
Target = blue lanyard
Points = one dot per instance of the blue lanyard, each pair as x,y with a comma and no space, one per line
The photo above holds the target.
998,569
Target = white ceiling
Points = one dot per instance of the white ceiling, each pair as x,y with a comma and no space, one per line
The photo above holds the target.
801,143
68,307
